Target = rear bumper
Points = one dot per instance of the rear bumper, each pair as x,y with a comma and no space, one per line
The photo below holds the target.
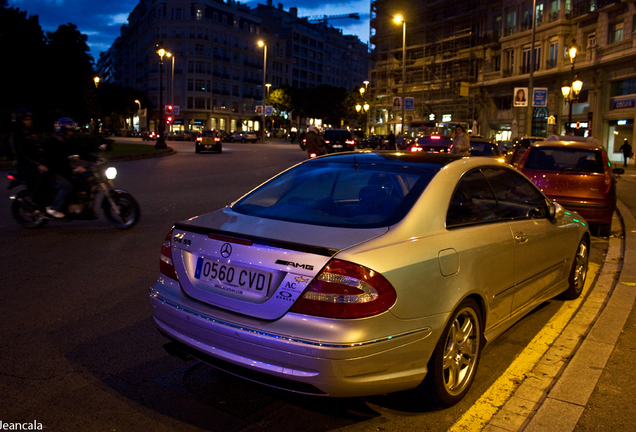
289,363
595,212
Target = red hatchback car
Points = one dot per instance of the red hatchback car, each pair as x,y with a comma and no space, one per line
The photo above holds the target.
577,175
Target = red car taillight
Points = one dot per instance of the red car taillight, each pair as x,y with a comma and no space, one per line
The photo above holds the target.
166,266
350,142
346,290
416,149
217,139
327,142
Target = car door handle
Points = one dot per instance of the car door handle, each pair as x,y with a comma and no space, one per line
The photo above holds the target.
521,237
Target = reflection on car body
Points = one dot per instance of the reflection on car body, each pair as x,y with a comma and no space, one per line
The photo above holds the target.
361,273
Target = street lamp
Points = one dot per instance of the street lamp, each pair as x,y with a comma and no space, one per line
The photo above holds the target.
96,79
571,95
572,89
161,142
262,44
399,19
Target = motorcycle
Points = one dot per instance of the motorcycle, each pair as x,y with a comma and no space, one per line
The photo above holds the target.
119,207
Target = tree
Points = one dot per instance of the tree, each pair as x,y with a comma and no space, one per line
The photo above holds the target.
72,74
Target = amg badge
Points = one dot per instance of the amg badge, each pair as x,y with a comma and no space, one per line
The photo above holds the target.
296,265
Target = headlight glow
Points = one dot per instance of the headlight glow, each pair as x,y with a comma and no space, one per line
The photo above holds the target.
111,173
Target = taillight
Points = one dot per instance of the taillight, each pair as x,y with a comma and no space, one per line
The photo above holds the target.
313,155
166,266
10,176
327,142
415,149
217,139
350,142
346,290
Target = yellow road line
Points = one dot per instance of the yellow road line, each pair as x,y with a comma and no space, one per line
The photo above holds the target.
478,416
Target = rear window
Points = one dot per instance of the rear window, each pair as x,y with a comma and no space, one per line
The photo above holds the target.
337,135
338,194
565,159
483,149
209,134
434,141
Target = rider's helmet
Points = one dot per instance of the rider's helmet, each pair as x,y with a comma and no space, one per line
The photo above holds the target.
64,124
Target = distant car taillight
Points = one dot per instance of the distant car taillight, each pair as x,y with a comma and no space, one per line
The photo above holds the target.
416,149
350,142
217,139
166,266
346,290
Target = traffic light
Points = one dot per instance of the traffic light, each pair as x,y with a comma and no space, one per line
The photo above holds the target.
169,119
168,109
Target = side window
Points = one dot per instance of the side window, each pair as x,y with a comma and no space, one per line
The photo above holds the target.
473,202
517,196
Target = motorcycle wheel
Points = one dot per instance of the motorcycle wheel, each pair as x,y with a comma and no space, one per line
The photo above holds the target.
129,212
24,216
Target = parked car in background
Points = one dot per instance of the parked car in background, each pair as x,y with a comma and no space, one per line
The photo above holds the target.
482,147
373,142
244,136
324,280
575,174
430,144
519,147
338,140
210,140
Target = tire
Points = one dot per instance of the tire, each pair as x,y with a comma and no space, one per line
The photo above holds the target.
24,216
604,230
579,271
454,362
128,208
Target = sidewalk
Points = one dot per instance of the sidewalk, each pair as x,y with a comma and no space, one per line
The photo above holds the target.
585,381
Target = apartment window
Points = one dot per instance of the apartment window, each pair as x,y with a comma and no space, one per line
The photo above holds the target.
509,61
511,23
591,40
199,103
616,32
555,8
525,68
199,14
539,15
623,88
554,54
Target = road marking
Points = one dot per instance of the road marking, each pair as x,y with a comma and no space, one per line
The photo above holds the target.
480,414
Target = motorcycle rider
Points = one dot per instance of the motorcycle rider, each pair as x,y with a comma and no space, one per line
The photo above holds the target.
315,145
57,150
28,153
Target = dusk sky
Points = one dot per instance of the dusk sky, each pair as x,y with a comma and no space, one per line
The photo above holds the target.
101,20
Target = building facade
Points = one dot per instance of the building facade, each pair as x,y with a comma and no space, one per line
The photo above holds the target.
467,60
214,76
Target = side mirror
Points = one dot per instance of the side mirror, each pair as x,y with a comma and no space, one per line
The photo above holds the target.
555,210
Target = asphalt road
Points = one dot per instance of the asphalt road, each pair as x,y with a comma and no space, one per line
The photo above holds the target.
79,350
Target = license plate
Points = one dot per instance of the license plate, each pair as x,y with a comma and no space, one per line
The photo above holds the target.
337,146
232,277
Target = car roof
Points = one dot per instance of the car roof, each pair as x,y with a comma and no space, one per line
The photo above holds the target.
568,144
389,158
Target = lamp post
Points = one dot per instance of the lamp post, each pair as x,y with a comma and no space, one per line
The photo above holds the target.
161,142
399,19
571,92
96,79
262,44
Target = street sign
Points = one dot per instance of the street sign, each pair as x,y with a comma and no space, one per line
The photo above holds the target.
551,120
175,110
409,104
269,110
540,97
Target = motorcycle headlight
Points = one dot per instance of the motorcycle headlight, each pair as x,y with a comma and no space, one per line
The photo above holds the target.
111,173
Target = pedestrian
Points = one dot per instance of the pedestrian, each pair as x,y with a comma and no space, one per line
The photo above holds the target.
627,151
461,142
28,153
314,145
391,140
